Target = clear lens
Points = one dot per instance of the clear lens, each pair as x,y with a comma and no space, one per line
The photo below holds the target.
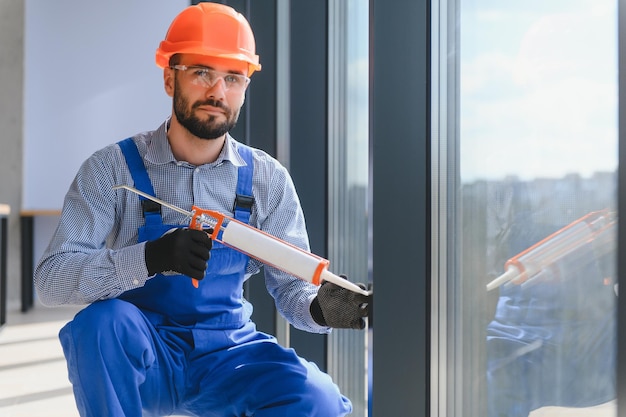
207,77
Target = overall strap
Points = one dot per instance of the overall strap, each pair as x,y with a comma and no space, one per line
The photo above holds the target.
244,200
151,209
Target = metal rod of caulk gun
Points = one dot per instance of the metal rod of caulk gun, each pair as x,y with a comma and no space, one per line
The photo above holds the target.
156,200
262,246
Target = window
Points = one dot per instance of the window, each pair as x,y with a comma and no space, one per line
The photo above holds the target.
527,128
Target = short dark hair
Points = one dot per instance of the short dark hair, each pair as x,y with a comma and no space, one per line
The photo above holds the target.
174,60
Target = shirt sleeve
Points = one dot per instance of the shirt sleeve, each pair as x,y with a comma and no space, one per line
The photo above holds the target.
284,219
79,266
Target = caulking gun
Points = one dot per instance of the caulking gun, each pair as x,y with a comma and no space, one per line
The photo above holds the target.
258,244
597,228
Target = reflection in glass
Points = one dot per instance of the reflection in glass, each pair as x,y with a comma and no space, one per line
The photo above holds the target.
552,337
535,195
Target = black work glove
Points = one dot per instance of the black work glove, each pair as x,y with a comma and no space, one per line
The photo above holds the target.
186,251
337,307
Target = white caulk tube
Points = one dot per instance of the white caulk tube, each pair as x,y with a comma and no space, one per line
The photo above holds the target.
282,255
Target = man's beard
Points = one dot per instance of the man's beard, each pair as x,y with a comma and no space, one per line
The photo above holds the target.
203,129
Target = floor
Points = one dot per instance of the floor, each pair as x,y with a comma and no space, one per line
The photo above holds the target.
34,376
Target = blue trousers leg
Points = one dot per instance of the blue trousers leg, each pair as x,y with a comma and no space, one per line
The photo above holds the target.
263,379
121,365
115,358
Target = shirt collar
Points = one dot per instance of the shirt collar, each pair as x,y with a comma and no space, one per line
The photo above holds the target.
229,152
160,152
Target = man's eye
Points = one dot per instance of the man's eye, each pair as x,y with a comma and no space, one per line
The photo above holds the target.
231,79
201,72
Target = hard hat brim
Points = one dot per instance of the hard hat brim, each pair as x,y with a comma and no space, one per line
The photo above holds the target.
165,52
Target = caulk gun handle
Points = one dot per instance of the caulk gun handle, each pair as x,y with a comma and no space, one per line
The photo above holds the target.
196,226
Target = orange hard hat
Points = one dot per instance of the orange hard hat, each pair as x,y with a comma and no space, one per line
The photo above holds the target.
210,29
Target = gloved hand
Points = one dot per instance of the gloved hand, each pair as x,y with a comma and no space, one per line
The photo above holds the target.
186,251
337,307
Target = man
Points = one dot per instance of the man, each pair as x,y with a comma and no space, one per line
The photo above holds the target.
149,342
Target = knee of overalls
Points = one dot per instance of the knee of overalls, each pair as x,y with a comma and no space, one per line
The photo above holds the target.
105,329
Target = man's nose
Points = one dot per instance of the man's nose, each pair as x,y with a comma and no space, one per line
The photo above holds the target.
218,88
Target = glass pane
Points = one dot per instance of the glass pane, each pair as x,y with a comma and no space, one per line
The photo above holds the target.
348,182
531,301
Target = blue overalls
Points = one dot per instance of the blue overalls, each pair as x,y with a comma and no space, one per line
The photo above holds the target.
169,348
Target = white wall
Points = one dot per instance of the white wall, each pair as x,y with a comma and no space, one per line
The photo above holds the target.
90,80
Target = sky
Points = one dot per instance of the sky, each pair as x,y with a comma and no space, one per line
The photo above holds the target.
538,88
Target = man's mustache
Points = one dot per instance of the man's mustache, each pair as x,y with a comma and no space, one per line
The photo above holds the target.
213,103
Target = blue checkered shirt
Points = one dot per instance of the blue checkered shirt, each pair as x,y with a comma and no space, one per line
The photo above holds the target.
94,253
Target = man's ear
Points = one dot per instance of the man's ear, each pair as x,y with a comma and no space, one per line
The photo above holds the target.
169,81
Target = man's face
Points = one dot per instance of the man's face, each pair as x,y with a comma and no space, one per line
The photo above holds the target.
206,97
